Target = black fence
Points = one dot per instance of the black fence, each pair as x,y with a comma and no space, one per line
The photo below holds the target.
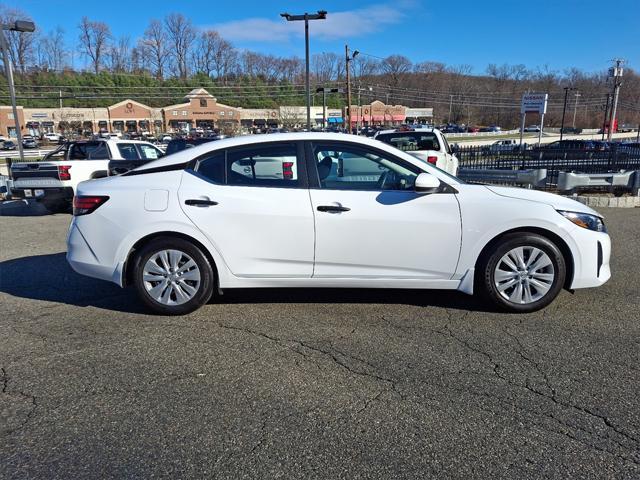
614,157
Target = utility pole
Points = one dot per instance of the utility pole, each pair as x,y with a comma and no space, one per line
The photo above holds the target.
564,110
606,113
348,59
616,73
60,98
575,109
321,15
450,106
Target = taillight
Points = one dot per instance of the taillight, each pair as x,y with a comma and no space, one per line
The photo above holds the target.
432,160
287,170
85,204
63,172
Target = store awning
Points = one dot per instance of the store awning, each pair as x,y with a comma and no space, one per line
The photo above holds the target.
259,121
377,118
398,118
335,120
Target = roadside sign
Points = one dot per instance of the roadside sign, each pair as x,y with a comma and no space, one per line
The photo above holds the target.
534,103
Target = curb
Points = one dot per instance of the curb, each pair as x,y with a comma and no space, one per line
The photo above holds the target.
611,202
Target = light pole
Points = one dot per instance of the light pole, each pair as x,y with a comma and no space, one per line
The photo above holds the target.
324,91
348,59
321,15
21,26
564,109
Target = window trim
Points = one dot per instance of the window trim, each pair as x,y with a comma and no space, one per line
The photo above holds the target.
312,168
301,164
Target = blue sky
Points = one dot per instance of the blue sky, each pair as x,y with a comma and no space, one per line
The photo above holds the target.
555,33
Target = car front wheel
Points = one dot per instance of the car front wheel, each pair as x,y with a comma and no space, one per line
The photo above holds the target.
173,276
523,273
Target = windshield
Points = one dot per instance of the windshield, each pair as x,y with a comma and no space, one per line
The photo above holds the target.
411,141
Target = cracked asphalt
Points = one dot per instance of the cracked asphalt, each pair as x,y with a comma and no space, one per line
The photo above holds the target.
312,383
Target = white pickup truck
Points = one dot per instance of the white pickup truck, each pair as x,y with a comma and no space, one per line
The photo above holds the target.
53,180
426,144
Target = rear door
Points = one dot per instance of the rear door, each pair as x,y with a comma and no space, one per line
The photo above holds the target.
370,222
253,204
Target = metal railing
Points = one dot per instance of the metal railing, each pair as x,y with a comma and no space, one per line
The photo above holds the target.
612,158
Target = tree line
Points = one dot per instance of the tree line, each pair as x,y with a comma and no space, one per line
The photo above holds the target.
172,52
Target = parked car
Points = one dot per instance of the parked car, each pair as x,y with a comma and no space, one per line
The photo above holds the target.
52,137
9,145
345,211
29,143
566,149
426,144
53,181
627,127
502,146
118,167
571,130
473,129
532,128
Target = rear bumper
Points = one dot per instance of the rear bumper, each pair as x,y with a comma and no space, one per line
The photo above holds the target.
84,261
62,193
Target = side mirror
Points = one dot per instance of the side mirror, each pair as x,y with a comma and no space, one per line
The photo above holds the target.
427,183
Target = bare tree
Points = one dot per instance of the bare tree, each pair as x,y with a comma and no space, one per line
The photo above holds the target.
51,50
153,45
21,45
181,35
94,41
327,66
119,55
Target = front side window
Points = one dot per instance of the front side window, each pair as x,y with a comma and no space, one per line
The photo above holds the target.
351,167
149,152
411,141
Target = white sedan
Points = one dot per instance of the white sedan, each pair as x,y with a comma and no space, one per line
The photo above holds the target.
327,210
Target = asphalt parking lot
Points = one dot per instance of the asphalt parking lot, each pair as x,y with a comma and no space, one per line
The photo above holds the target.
312,383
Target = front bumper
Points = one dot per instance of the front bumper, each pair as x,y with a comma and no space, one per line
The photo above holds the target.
591,258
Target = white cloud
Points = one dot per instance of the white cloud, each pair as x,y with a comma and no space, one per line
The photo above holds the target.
337,25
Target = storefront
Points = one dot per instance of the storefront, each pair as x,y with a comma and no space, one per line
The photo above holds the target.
377,113
131,117
200,110
8,124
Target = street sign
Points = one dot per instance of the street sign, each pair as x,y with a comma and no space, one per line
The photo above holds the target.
534,103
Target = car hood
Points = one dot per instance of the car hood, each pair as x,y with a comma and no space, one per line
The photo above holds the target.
556,201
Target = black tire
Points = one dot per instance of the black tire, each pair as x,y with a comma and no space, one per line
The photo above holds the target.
485,273
207,277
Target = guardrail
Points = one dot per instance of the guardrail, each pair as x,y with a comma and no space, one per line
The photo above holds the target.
15,155
531,178
570,181
481,134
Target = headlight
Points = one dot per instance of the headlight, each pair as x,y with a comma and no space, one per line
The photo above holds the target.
584,220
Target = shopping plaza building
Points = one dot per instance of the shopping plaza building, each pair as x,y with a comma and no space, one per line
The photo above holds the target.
199,110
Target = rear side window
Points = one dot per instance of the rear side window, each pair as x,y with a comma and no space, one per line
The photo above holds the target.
89,151
128,151
274,166
255,166
213,167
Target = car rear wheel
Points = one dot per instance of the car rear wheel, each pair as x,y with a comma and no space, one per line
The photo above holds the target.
173,276
523,273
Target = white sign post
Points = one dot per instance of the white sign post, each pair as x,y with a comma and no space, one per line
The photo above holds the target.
533,103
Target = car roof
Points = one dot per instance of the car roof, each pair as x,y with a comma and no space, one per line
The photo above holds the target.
189,154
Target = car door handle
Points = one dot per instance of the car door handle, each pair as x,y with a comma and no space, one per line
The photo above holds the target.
332,208
200,202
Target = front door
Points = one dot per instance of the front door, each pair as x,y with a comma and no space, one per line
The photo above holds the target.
253,204
370,223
